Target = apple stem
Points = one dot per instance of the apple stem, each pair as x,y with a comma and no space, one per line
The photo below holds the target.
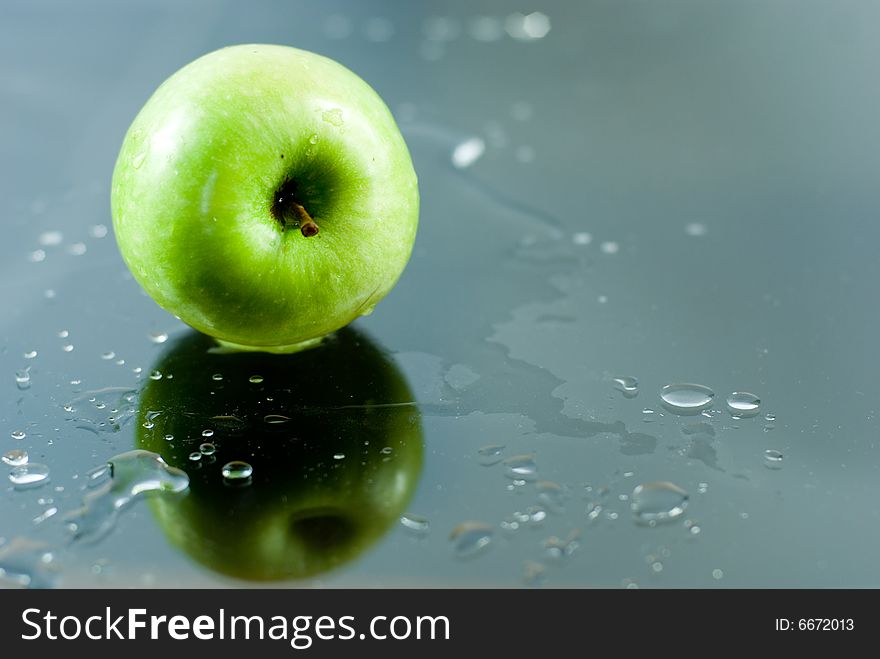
307,226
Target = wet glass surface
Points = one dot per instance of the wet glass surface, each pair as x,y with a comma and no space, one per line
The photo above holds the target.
633,347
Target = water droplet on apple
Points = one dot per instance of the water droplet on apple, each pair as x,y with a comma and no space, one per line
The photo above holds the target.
237,471
16,457
156,375
275,419
313,139
30,354
339,456
207,448
217,377
207,433
332,117
195,456
138,160
255,379
108,355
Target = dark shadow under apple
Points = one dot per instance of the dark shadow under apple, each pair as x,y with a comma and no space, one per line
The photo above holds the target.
333,435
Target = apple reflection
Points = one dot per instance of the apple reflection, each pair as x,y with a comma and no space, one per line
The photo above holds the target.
332,434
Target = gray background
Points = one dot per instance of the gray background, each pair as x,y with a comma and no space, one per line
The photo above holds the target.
629,121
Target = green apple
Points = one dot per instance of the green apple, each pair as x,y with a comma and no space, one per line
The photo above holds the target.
265,196
333,437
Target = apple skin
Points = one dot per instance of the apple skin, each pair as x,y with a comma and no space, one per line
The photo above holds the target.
304,511
195,189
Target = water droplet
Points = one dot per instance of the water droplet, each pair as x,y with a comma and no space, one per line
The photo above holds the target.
63,334
133,475
521,467
717,574
686,398
658,502
108,355
743,404
471,538
23,378
415,523
695,229
628,386
97,475
769,417
148,425
313,139
207,448
30,354
97,231
237,471
46,514
339,456
649,415
138,160
207,433
169,437
255,379
468,152
50,238
582,238
490,454
195,456
32,474
217,377
156,375
527,27
275,419
77,249
37,255
158,337
609,247
773,459
18,434
67,347
16,457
